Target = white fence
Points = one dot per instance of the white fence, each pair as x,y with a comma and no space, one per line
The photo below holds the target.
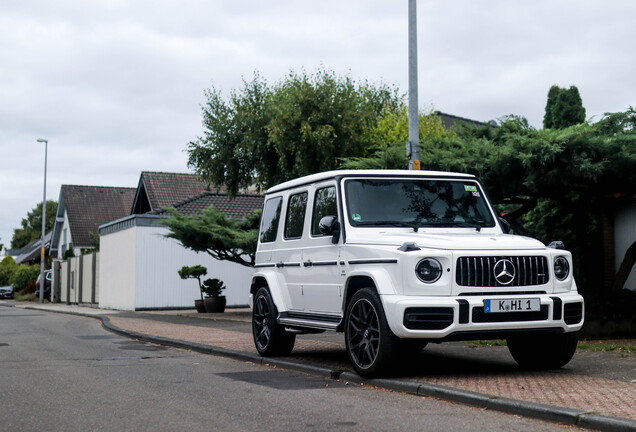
76,280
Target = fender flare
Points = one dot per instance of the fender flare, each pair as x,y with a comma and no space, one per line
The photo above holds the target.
274,283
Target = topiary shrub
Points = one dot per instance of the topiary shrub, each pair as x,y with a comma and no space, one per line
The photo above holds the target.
213,287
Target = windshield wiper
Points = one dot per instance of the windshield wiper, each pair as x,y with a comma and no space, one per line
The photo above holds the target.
414,226
417,225
477,225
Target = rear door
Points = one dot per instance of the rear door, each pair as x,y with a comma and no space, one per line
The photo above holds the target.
322,283
290,251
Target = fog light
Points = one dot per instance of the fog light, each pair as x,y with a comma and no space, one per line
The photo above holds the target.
428,270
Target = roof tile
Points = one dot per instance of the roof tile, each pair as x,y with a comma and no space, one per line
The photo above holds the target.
88,207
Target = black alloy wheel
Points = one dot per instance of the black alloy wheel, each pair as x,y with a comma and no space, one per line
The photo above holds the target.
269,337
368,338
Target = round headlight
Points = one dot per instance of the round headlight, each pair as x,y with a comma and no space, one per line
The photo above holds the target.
428,270
561,268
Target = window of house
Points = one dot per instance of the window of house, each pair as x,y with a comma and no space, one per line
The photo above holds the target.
270,218
295,220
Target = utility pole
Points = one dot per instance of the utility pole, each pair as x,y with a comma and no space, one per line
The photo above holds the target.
42,249
413,146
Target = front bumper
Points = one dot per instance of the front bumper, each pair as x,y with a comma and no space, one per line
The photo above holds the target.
464,318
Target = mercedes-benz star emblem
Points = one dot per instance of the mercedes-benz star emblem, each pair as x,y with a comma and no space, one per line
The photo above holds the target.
504,271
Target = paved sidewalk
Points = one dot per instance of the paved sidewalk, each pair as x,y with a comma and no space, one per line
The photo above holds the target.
595,390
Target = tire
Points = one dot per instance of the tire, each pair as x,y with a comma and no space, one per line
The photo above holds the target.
368,339
543,352
270,338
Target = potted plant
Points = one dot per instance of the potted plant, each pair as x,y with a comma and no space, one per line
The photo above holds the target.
195,272
214,302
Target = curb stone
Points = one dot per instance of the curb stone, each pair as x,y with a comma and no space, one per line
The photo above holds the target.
606,423
478,400
535,410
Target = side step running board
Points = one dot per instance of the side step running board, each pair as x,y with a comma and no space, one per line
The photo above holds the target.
308,323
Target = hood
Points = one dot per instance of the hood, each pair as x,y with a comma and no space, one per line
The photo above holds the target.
447,241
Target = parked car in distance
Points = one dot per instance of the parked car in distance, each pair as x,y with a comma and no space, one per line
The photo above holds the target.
398,259
6,292
48,274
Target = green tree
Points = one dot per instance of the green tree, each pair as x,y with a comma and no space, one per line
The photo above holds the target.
211,232
264,135
390,135
564,108
31,226
7,268
563,182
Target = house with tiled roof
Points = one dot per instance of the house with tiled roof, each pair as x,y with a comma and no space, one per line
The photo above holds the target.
158,190
80,212
138,264
450,121
32,252
235,207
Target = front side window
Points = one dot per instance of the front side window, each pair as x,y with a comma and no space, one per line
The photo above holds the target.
270,218
296,216
417,203
324,205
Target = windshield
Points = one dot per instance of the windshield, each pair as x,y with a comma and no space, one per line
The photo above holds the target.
417,203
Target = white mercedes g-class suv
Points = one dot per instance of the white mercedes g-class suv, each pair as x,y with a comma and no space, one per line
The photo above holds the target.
397,259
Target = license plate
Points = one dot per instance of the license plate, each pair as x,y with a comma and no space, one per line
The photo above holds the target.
512,305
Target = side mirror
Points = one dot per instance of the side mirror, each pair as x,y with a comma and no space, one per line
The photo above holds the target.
329,225
505,225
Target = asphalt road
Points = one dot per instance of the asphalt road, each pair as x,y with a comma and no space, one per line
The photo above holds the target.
61,372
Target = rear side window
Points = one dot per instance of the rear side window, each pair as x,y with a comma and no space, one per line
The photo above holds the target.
270,218
296,216
324,205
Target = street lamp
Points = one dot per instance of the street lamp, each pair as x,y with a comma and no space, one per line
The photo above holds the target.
42,281
413,146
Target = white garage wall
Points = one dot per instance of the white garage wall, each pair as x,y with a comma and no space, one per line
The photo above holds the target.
158,284
117,270
138,269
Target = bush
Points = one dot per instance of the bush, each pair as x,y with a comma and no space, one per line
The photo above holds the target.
7,268
70,253
607,306
213,287
24,277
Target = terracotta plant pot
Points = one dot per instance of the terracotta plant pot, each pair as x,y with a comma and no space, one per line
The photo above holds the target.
214,304
199,306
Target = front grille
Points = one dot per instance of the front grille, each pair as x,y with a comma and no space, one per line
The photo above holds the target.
480,271
428,318
479,316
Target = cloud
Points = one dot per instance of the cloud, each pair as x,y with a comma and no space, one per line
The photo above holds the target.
116,85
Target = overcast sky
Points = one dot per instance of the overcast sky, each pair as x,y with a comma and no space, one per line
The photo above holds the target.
116,86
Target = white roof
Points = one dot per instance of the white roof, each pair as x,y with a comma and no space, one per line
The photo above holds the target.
315,178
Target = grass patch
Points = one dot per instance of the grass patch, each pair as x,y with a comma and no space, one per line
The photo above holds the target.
25,297
627,346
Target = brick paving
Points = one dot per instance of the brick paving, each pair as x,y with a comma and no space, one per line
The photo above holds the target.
594,394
